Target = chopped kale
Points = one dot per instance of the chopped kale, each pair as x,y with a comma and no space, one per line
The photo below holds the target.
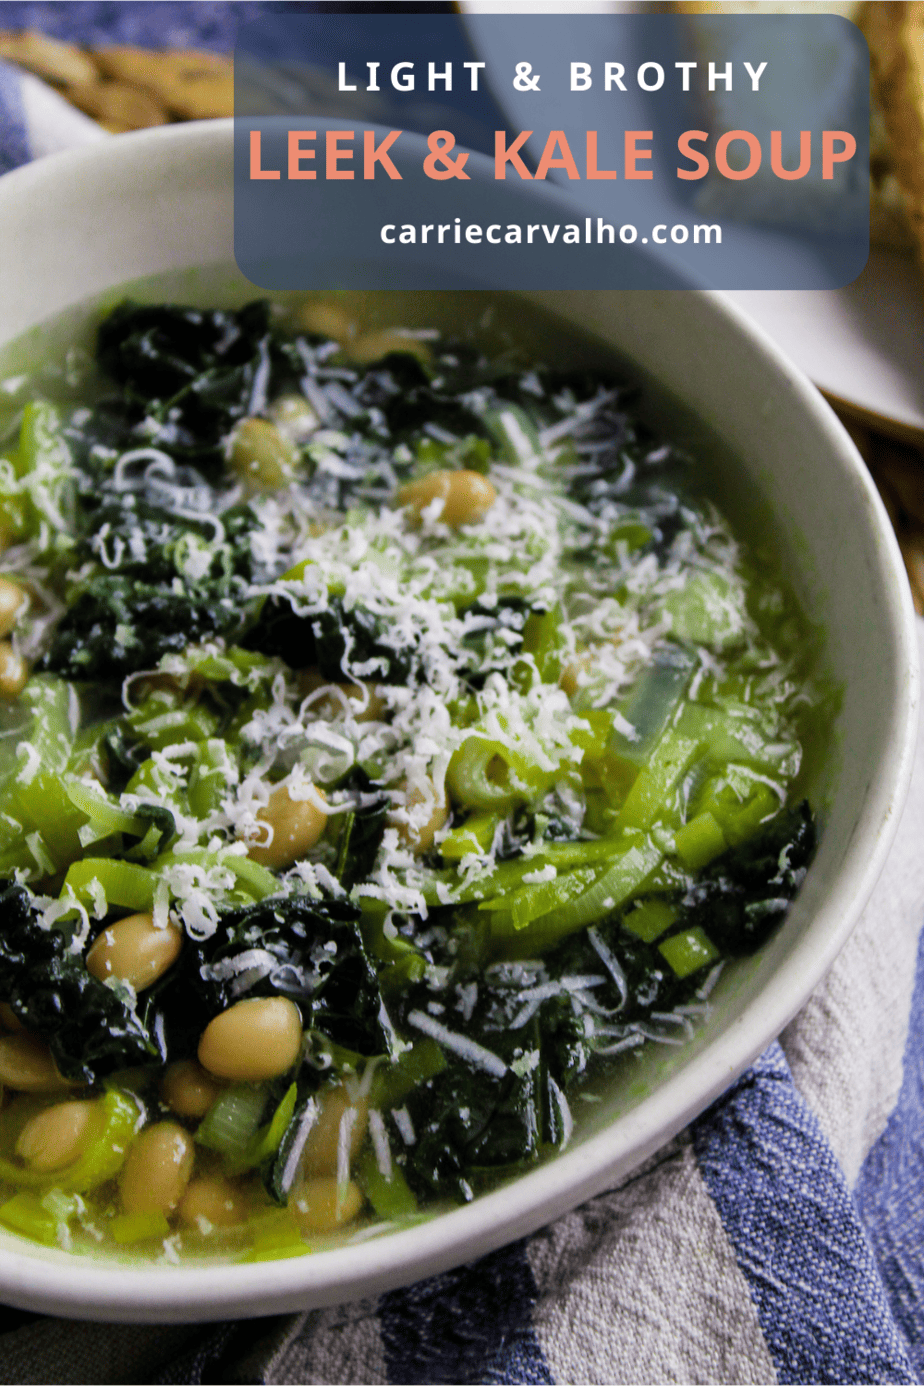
91,1028
495,630
173,556
281,1170
151,533
193,372
123,756
144,604
164,833
466,1128
743,896
338,642
118,625
415,403
472,1124
310,951
361,835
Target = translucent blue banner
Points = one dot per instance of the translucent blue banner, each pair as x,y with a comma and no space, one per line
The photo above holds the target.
584,151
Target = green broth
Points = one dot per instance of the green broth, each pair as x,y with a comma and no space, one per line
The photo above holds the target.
535,735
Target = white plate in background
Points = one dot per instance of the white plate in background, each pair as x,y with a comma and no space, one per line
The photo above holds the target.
863,344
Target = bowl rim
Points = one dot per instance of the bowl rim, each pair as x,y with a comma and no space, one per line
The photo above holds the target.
45,1280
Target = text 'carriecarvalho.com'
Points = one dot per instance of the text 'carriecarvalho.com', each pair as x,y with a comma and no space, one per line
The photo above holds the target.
589,231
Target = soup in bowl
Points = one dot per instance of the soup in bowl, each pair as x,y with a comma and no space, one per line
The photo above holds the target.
431,773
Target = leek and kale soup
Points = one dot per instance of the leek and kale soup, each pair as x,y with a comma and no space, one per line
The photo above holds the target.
391,745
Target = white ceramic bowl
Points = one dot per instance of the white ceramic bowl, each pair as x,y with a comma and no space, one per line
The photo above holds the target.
160,202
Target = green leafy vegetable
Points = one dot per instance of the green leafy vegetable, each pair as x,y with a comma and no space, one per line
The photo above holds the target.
324,641
91,1028
192,371
362,830
309,951
539,1029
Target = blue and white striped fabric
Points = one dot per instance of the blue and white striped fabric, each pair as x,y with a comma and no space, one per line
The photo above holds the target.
780,1238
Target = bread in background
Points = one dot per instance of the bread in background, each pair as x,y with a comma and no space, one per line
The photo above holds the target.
124,87
895,33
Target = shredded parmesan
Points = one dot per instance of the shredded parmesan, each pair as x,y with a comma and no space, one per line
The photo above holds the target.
467,1049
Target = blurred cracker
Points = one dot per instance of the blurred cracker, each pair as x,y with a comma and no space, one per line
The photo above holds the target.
190,83
895,33
118,106
888,219
140,87
48,58
847,8
202,98
157,69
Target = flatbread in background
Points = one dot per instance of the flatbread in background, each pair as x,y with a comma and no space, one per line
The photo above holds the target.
116,105
190,84
895,33
125,87
889,222
49,58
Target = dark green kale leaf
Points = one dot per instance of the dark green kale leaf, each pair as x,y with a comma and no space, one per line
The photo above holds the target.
144,527
91,1030
195,372
389,378
465,1128
614,992
494,632
282,1170
326,640
624,469
343,642
311,951
118,625
470,1124
142,607
164,833
526,826
402,390
124,756
362,831
95,434
143,536
744,895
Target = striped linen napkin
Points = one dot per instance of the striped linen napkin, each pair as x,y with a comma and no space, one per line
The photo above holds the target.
779,1238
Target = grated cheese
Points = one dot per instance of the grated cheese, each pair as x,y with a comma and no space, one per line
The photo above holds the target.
467,1049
